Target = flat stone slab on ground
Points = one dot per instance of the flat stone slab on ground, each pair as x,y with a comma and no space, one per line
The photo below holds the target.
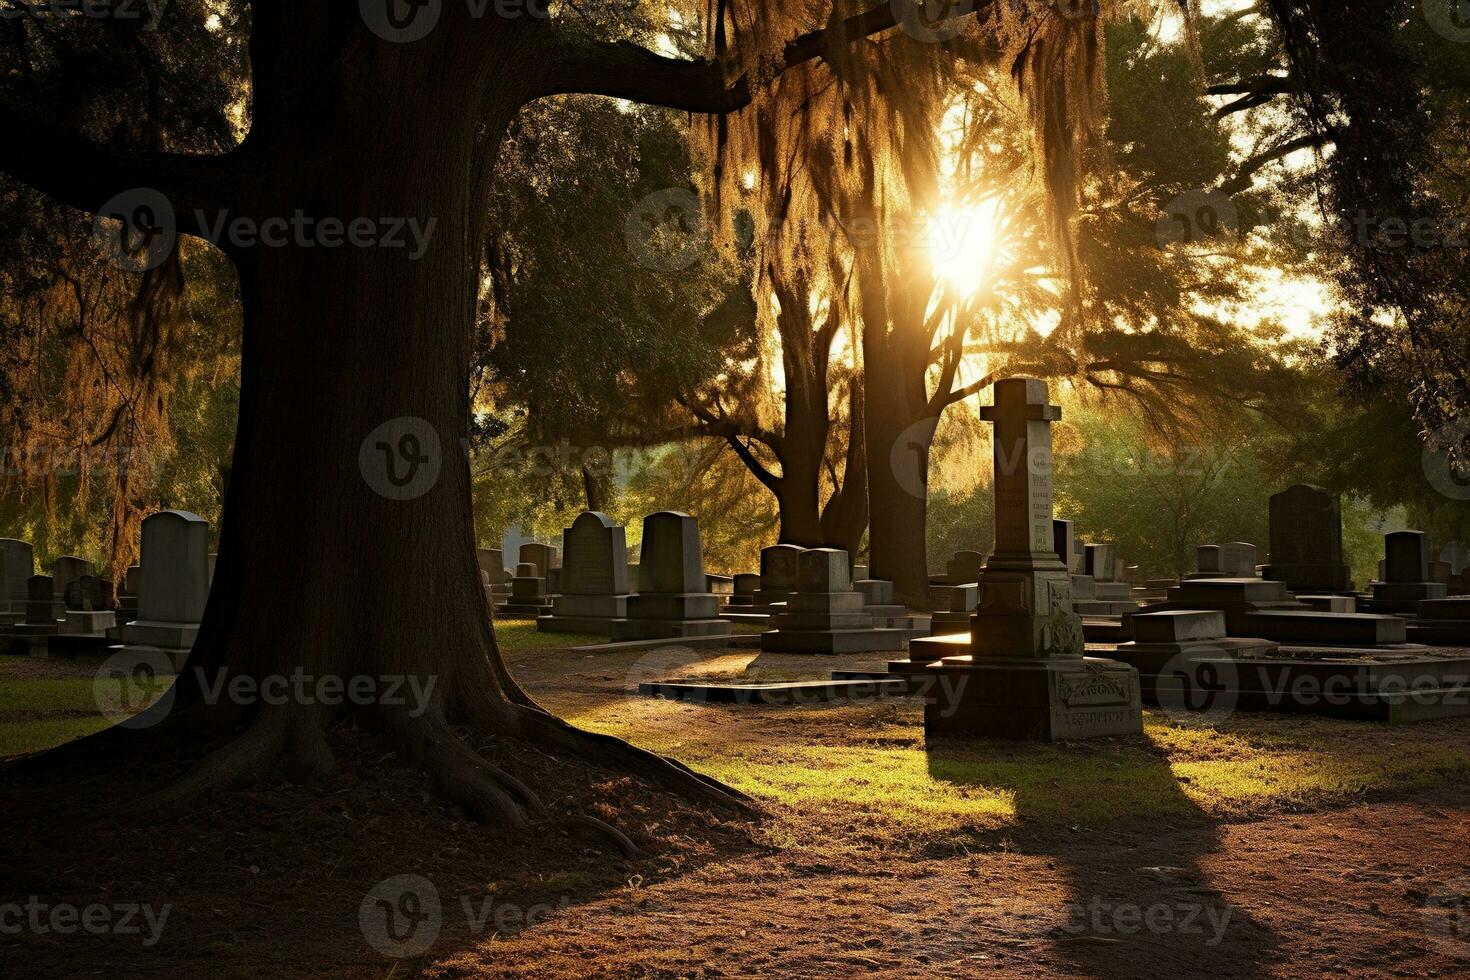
867,640
1326,628
778,693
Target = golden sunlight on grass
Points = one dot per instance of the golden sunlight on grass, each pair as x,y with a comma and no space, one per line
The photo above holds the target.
861,770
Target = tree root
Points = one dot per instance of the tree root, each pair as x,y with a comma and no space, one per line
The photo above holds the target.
253,753
490,794
625,844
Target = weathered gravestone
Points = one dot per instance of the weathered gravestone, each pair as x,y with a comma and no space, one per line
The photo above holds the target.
1406,580
1100,561
542,556
1023,674
528,595
1306,541
174,586
17,564
1064,543
955,619
88,607
65,571
778,574
672,599
494,579
594,578
963,567
1099,591
825,614
1208,562
29,636
1238,559
746,585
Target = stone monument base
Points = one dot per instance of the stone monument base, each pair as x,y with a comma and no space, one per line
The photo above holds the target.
522,610
1023,698
1404,597
861,640
88,622
665,615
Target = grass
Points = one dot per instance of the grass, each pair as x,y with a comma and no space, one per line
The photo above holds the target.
860,771
522,634
45,703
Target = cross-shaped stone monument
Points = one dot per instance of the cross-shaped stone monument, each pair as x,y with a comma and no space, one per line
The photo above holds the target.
1024,674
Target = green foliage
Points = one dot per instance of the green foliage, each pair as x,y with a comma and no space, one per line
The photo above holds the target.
1160,499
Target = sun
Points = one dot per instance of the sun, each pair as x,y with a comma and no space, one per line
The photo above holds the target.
962,244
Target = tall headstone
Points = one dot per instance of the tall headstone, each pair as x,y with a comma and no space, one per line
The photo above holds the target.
1024,675
593,587
1406,556
494,579
672,597
1209,561
1306,541
17,565
175,584
1101,562
543,556
1064,542
492,563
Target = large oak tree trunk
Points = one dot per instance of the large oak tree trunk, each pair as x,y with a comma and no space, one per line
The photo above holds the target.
347,546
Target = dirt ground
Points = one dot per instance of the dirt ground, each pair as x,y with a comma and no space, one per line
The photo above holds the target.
1272,847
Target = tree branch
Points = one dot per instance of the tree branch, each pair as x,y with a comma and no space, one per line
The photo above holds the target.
628,71
769,479
1245,176
86,175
